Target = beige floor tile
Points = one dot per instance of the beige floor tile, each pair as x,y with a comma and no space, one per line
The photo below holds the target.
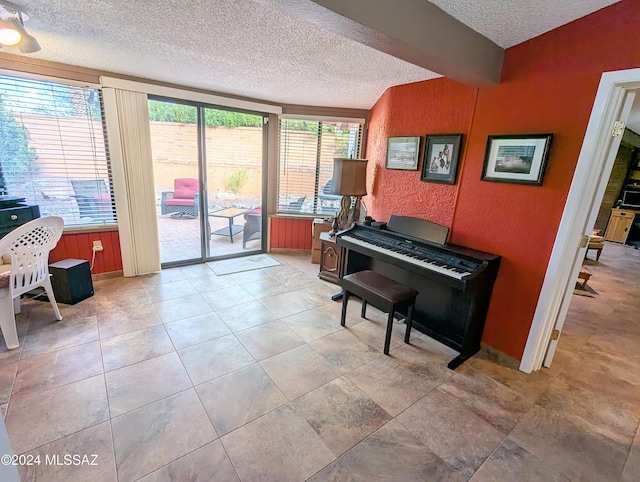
269,339
394,453
287,304
425,357
144,382
196,271
41,418
312,324
490,400
512,462
53,335
181,308
170,291
82,456
590,411
632,466
159,433
197,329
208,463
278,446
120,318
265,287
580,429
568,448
344,350
246,315
164,276
214,358
390,384
451,431
227,297
341,414
51,370
239,397
211,282
299,370
136,346
8,372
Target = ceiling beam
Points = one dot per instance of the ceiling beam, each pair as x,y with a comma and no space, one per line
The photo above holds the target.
412,30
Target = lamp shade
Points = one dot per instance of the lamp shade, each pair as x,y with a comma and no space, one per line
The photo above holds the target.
349,177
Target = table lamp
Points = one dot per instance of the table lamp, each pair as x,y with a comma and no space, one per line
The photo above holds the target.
349,180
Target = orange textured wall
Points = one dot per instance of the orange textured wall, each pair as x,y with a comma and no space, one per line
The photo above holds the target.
291,233
78,246
440,106
549,85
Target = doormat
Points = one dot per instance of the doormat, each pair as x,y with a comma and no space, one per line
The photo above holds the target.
586,291
247,263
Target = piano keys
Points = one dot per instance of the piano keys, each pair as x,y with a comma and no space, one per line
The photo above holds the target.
454,283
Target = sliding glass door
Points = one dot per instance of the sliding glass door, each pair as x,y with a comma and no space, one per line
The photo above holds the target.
209,180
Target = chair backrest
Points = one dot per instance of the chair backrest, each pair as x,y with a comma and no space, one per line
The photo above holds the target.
185,188
297,205
29,246
89,187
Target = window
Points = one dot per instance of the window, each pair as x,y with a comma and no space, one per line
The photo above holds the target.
53,152
307,150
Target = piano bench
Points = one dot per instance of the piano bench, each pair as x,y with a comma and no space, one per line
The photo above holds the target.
383,293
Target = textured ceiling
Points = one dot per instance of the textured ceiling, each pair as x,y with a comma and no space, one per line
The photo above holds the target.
510,22
252,49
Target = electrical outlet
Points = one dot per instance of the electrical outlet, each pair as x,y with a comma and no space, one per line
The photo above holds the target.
97,245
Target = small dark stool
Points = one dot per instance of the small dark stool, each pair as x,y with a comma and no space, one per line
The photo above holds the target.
71,280
383,293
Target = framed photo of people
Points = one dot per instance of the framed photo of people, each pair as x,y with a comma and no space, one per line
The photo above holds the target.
403,153
517,159
441,154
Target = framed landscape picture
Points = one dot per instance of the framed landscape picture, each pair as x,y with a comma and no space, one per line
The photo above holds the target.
402,153
516,159
441,154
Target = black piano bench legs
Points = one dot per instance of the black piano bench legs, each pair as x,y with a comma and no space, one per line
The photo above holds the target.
383,293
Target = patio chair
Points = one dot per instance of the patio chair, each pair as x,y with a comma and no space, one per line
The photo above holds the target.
28,247
183,200
93,198
329,203
293,205
252,226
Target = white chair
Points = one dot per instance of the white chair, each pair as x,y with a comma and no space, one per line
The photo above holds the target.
28,246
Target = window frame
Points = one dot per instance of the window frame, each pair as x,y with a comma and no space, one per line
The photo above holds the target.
317,188
112,223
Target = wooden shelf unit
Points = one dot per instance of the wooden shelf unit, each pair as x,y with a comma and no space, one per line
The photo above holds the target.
620,224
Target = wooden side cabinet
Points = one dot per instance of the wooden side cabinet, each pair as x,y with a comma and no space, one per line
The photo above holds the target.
619,225
331,259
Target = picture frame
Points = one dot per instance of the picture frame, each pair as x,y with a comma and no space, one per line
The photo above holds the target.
403,153
518,159
440,159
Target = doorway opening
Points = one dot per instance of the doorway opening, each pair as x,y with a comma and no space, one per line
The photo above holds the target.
209,173
612,107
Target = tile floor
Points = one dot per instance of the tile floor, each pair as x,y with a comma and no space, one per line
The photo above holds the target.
186,375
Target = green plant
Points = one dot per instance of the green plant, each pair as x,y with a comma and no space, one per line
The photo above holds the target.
16,156
237,179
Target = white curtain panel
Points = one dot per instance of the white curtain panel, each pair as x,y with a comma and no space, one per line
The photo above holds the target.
129,140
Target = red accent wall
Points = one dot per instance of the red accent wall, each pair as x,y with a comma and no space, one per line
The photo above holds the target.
440,106
291,233
79,246
548,85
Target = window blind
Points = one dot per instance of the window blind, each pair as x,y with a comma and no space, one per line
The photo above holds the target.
307,150
53,150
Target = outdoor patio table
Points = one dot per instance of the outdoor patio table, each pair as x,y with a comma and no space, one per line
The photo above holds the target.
229,213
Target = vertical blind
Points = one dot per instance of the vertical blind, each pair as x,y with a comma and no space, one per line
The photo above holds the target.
53,150
307,150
